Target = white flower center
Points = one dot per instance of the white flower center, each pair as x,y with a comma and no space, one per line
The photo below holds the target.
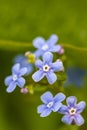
50,104
46,68
15,77
72,111
44,47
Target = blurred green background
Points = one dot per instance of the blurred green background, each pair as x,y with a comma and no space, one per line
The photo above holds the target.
22,21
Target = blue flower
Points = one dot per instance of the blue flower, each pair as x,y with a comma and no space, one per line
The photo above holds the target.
16,78
22,60
72,111
75,76
50,103
47,68
44,46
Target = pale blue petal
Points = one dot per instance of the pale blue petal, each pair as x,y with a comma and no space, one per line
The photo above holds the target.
29,68
51,77
22,71
52,40
56,106
57,66
39,63
21,82
80,106
59,97
38,53
19,58
8,80
41,108
11,87
79,119
55,48
71,101
67,119
38,42
46,97
16,68
63,109
45,113
37,76
47,57
24,63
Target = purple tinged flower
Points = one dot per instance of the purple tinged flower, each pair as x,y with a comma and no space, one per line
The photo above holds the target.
72,111
22,60
46,46
47,68
16,78
50,103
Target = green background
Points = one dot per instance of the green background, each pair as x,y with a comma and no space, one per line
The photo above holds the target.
20,22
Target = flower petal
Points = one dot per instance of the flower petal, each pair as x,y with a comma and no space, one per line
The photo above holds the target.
57,66
46,97
67,119
37,76
55,48
15,69
51,77
79,120
71,101
52,40
63,109
38,53
21,82
23,71
38,42
80,106
45,113
8,80
41,108
11,87
19,59
59,97
47,57
29,68
56,106
39,63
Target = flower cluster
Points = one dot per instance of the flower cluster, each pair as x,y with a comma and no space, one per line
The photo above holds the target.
49,66
71,111
26,63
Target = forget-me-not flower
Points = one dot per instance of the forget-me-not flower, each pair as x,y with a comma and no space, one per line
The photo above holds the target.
43,45
50,103
47,68
16,78
72,111
22,60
